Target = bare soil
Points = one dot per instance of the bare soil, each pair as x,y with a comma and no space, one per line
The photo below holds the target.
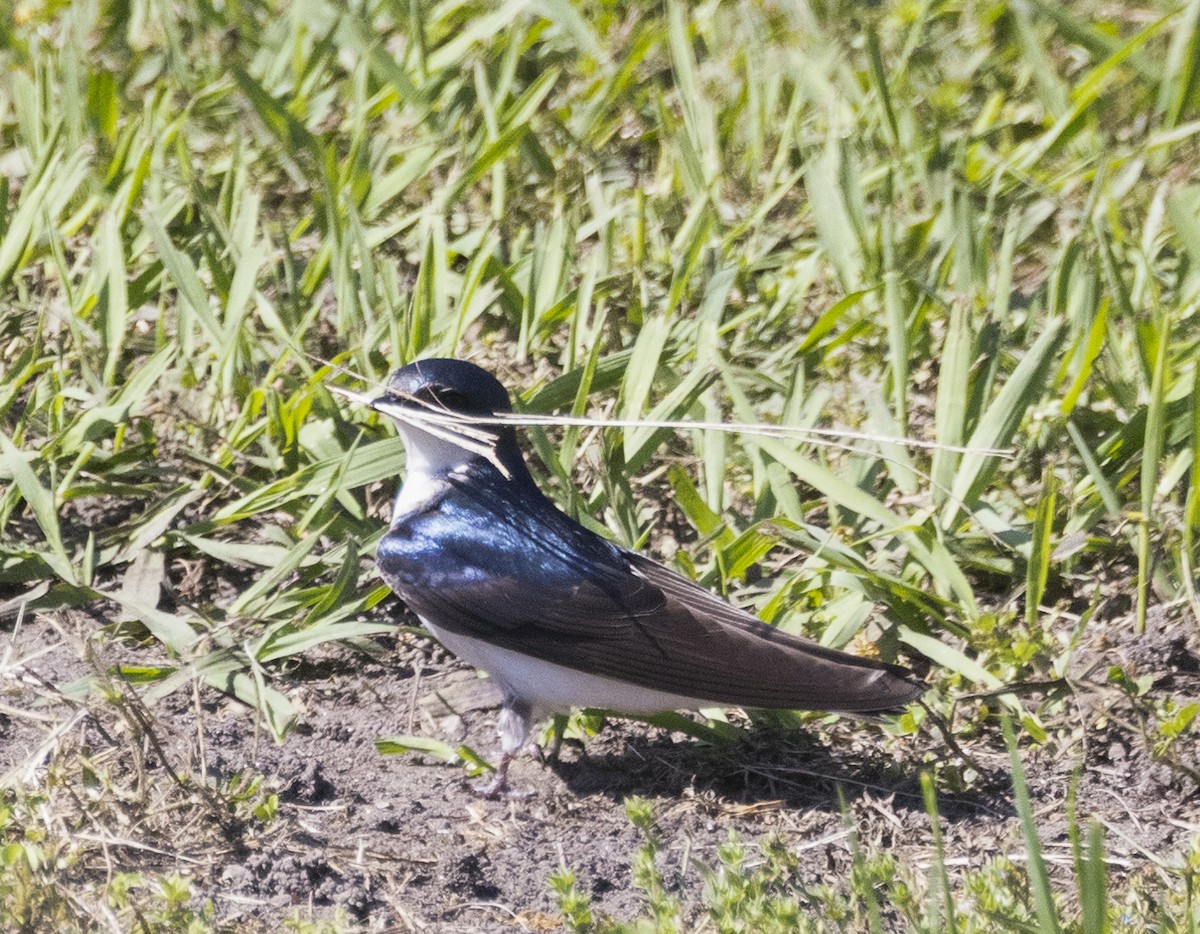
404,842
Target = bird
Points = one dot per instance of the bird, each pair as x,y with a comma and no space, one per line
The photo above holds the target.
558,616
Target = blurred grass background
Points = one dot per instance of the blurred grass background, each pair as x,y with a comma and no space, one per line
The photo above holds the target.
974,223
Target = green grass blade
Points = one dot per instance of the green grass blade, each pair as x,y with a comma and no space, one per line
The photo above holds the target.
1038,566
41,503
941,898
114,297
950,410
1180,87
1152,448
1039,878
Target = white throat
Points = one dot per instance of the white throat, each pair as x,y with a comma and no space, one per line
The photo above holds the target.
429,460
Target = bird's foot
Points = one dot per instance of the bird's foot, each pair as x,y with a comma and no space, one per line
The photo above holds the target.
498,788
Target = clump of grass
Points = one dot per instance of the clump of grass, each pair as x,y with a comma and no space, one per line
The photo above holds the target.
63,863
115,833
772,891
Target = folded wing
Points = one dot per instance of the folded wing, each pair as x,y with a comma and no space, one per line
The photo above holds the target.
629,618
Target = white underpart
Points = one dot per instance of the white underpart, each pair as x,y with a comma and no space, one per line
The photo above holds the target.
549,688
429,459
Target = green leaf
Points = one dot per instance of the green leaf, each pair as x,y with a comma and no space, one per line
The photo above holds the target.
41,503
950,658
402,745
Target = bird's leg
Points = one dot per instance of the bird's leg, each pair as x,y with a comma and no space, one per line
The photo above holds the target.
498,786
513,727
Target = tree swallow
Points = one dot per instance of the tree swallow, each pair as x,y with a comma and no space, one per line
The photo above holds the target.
558,616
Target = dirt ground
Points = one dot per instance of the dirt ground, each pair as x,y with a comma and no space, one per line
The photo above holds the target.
403,843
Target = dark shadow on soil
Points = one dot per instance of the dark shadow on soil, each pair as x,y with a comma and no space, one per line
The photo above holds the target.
791,768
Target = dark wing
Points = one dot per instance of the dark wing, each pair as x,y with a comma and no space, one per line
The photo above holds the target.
618,614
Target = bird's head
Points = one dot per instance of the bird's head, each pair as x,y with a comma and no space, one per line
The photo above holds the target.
433,402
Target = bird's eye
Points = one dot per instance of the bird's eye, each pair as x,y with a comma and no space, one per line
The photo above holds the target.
443,397
452,399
